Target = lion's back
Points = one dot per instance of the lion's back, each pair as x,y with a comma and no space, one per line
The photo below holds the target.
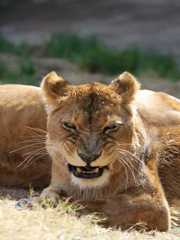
158,108
161,114
23,124
20,106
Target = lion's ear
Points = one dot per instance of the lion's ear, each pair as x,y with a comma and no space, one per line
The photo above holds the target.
53,87
125,85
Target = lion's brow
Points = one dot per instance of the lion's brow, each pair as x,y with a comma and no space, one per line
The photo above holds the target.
91,104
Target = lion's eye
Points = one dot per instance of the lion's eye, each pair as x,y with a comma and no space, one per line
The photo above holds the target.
69,126
112,127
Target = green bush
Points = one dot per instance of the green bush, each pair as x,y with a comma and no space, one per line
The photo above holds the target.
27,67
25,73
94,56
21,49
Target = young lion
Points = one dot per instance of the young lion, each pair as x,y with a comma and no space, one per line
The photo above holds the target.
111,146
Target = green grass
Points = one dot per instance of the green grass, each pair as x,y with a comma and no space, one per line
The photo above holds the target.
24,73
21,49
90,54
94,56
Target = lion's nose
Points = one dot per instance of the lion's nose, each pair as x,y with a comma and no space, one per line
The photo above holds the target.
88,158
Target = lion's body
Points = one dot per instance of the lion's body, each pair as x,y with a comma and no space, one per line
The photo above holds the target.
156,119
158,109
21,112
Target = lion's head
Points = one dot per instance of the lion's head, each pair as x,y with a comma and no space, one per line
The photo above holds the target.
91,129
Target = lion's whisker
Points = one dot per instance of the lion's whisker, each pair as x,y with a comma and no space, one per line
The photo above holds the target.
30,156
43,149
37,129
25,147
132,170
126,173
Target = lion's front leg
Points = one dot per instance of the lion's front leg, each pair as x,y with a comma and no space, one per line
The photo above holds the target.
143,206
142,211
146,205
52,193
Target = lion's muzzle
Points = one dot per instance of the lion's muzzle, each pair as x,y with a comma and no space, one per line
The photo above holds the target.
89,157
86,172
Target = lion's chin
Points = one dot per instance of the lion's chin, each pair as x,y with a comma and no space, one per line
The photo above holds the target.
92,177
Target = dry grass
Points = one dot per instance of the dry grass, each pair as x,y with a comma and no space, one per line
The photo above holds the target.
61,223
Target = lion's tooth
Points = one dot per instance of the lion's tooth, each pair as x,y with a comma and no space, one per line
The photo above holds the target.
95,170
78,170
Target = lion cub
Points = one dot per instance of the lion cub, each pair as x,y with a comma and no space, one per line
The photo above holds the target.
105,146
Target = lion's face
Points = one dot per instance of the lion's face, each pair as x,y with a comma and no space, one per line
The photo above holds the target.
90,127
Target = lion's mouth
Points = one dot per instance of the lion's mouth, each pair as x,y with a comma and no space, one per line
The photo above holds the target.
87,172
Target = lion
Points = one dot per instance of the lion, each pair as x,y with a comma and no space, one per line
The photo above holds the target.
113,148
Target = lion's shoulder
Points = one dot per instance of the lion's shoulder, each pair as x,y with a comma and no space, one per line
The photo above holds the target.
17,93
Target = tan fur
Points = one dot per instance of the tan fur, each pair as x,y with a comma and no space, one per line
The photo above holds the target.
138,182
22,123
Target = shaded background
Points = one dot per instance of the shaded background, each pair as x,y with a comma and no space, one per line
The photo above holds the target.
148,26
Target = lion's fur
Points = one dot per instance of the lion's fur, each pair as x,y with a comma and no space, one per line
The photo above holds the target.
22,121
149,143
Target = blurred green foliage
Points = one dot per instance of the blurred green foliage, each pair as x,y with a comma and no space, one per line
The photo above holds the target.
25,71
92,55
89,53
19,49
24,74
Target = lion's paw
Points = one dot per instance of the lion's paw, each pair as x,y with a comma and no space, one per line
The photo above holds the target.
175,216
49,198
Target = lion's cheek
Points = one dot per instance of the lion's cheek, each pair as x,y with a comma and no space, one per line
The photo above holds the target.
74,159
103,160
58,154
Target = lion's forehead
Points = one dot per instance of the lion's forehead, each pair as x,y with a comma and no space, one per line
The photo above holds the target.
95,106
95,103
95,95
92,109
